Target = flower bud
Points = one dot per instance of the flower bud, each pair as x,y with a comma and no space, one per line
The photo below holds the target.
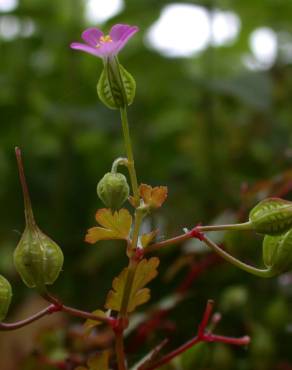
277,252
37,258
272,216
5,297
113,190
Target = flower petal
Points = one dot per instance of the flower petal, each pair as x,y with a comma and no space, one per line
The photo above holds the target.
120,34
91,36
88,49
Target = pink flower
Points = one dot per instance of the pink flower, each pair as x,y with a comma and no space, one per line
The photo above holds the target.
105,46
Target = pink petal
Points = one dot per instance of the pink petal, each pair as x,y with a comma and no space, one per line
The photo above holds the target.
88,49
91,36
120,34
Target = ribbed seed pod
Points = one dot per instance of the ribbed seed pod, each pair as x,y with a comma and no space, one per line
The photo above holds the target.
113,190
277,252
5,297
272,216
37,258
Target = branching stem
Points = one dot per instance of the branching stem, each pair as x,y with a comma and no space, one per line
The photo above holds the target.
202,336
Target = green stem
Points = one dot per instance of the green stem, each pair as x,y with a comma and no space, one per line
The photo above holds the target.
119,162
240,227
266,273
132,264
129,151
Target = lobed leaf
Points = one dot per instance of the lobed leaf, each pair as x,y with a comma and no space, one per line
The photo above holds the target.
90,324
146,271
154,197
146,239
115,225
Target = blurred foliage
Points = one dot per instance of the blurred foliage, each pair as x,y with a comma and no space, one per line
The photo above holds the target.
218,134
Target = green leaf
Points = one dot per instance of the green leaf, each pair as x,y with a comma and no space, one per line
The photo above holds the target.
145,272
272,216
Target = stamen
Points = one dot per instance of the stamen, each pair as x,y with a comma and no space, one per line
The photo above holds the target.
103,39
106,38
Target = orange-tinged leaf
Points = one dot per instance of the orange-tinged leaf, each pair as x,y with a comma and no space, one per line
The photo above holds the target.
115,225
146,239
153,197
146,271
90,324
99,361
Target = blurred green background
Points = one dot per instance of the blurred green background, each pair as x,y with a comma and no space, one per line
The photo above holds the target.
211,119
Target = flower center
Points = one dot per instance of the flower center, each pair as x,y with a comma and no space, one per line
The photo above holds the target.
103,40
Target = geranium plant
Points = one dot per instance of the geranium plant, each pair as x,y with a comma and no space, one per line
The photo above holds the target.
38,259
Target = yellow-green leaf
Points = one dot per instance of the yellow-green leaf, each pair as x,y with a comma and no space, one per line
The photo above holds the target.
115,225
153,197
148,238
99,361
146,271
90,324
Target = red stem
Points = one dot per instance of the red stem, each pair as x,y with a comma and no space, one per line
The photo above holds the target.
206,318
171,241
19,324
56,307
202,336
29,218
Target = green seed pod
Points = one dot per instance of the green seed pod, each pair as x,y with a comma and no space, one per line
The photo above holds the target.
272,216
113,190
37,258
5,297
277,252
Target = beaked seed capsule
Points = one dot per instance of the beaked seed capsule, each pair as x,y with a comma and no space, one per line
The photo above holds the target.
37,258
